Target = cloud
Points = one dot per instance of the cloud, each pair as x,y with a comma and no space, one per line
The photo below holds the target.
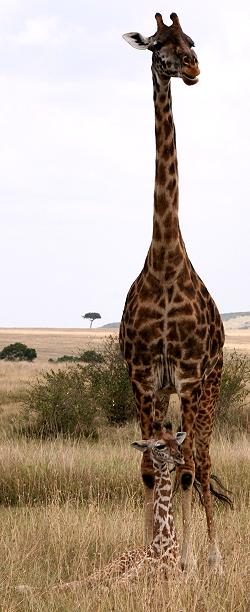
43,30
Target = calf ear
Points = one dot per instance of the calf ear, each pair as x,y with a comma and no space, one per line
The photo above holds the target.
137,40
141,445
180,436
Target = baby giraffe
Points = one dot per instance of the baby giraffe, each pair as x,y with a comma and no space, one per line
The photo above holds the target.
163,552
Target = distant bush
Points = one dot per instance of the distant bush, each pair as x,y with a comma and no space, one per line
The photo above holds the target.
18,352
91,356
88,356
64,359
231,408
78,399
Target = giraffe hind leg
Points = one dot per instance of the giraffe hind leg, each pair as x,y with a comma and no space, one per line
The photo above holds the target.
185,474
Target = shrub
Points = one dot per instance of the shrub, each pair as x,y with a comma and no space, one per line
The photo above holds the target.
18,352
61,404
78,399
89,356
64,358
111,385
231,408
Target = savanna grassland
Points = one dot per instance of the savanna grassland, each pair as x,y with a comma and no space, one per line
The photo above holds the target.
69,506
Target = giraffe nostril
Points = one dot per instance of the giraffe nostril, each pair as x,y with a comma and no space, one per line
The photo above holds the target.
186,60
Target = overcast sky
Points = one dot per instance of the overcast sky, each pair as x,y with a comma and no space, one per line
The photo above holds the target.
77,155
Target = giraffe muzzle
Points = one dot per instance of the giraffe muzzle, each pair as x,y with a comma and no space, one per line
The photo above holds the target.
188,79
179,461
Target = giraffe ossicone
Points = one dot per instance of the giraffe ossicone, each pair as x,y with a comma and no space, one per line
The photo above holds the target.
171,333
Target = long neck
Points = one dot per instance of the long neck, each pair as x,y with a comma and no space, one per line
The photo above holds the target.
166,250
164,535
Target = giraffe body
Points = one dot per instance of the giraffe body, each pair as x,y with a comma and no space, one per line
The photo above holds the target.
171,333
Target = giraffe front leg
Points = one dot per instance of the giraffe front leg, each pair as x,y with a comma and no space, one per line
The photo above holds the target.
214,555
203,473
187,479
203,431
189,408
145,407
151,407
149,482
151,404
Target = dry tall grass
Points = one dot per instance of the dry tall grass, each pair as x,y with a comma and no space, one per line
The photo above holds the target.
42,547
69,507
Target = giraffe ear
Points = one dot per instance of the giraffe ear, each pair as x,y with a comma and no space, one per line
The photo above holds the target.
137,40
180,437
141,445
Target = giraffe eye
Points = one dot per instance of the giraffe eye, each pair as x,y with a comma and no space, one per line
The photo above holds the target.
160,446
157,46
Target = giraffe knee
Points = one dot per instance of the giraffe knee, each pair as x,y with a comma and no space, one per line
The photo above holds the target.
148,480
186,480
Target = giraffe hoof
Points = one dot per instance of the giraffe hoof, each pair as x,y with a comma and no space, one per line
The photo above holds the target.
189,564
215,560
24,589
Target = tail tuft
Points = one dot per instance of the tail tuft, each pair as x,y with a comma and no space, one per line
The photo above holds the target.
220,495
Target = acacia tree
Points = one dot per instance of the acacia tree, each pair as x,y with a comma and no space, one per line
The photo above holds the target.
92,316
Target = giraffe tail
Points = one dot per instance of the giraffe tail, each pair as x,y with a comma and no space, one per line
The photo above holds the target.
221,494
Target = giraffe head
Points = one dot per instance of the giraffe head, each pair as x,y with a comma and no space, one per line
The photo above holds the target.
173,55
164,446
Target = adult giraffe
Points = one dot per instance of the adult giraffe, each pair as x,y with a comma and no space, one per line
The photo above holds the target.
171,332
